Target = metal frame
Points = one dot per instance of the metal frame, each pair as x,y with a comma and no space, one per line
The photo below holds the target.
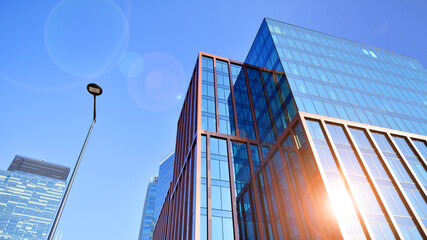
388,132
176,203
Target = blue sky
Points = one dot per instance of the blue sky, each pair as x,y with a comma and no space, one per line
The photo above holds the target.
142,53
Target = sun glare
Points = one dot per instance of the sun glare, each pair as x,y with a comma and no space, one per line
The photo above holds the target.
343,209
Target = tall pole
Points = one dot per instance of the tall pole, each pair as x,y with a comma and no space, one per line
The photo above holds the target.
67,191
95,90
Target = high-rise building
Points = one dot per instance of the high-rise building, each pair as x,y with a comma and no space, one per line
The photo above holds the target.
30,194
147,221
312,137
165,178
155,196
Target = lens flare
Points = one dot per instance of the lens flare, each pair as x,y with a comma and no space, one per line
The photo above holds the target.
86,38
131,64
161,80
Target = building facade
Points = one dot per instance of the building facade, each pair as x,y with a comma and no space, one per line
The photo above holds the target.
30,194
165,178
155,196
312,137
147,221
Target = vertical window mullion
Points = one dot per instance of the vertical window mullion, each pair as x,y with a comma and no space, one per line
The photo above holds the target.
346,180
398,186
321,170
375,187
408,167
216,95
236,124
255,193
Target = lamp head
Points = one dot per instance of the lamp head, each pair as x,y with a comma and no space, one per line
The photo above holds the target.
94,89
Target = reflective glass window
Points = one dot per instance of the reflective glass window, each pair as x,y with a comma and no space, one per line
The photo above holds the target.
276,103
241,165
208,95
243,108
246,215
344,65
422,147
266,221
225,101
414,161
262,115
393,200
285,199
338,196
255,157
397,167
220,190
363,192
274,203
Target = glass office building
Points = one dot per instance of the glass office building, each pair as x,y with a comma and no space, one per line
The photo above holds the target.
147,221
30,194
312,137
164,180
155,196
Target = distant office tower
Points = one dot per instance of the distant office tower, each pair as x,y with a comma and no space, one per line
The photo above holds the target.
165,178
30,194
156,193
313,137
147,221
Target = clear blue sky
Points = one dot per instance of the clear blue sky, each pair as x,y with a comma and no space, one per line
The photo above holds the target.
143,55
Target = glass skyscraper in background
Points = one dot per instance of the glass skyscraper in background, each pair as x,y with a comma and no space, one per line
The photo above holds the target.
155,196
147,221
312,137
30,194
165,178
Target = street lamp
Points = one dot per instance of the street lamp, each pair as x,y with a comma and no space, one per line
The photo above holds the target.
95,90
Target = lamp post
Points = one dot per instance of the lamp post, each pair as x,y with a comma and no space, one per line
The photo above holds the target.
95,90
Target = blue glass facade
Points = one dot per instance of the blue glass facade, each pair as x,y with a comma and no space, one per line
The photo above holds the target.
317,137
164,179
243,108
28,204
339,78
208,95
148,220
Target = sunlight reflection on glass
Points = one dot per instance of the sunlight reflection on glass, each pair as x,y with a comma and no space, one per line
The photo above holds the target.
344,211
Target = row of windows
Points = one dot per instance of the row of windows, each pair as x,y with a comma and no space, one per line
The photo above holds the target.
381,108
363,67
28,204
342,46
208,95
262,51
373,81
222,224
321,63
262,115
336,93
277,94
342,111
282,216
378,102
241,97
362,191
